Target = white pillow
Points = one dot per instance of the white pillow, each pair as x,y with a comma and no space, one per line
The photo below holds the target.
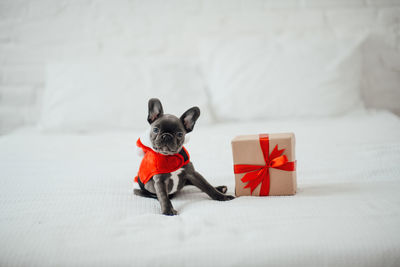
301,75
104,95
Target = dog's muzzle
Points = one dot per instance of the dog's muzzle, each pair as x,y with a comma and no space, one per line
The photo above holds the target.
166,137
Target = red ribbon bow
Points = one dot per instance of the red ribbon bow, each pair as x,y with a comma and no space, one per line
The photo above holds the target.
256,174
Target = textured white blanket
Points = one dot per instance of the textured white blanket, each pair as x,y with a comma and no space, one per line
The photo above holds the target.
66,200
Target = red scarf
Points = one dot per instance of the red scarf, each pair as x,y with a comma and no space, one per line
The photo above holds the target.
156,163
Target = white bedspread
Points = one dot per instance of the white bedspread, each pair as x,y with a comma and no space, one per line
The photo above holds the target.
66,200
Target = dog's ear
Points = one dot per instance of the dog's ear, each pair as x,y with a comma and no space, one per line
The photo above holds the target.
155,110
189,118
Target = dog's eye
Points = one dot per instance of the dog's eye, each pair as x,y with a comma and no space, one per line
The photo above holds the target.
179,134
155,130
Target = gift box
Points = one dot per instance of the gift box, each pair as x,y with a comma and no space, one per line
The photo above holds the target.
264,164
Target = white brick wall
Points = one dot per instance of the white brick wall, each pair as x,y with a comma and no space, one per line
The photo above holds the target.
35,32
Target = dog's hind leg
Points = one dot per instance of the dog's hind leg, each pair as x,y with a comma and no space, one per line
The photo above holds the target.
221,188
198,180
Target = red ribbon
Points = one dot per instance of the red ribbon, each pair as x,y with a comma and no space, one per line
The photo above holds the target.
256,174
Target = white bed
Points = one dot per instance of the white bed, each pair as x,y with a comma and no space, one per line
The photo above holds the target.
66,200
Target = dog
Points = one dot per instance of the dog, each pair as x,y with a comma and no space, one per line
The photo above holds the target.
166,167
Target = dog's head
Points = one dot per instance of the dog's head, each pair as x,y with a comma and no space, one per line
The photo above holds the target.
167,132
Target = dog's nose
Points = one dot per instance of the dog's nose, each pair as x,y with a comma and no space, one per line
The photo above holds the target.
166,136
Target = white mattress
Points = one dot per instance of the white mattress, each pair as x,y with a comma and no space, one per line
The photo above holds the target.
67,200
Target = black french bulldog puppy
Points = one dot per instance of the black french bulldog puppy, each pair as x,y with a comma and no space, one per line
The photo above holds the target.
167,135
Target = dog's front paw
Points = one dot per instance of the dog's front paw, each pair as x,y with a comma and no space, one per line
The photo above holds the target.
170,212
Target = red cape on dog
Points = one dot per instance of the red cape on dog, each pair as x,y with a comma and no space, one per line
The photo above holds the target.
156,163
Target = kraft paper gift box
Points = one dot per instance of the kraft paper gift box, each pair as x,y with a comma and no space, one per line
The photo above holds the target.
264,164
